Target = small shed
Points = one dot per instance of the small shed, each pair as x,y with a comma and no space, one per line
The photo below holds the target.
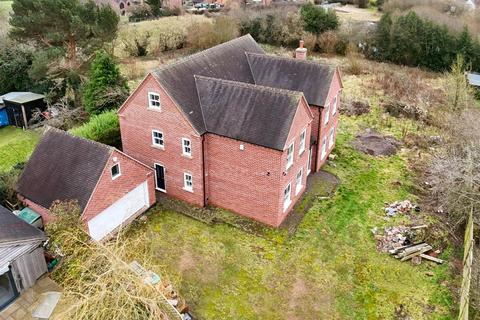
22,260
474,79
19,107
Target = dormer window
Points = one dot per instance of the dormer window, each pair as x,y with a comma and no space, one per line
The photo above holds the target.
154,100
115,170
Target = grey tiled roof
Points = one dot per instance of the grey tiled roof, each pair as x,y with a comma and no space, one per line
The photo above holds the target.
15,231
63,167
246,112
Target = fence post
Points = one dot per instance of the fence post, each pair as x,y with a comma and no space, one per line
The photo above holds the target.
467,269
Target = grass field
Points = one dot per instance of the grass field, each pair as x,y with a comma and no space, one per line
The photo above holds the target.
16,146
5,7
329,269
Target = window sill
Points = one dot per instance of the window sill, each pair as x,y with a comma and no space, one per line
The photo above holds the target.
154,109
289,167
301,153
188,156
286,205
158,147
188,190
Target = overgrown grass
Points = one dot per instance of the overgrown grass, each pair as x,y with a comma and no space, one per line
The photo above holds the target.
330,269
16,146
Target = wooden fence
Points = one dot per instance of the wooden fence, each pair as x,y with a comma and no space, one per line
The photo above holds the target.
467,269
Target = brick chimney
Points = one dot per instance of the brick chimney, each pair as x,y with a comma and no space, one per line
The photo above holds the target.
301,52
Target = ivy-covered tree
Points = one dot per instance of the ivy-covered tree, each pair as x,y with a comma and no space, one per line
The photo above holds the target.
318,20
106,88
65,34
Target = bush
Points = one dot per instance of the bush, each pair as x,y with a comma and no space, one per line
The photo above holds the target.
140,13
203,35
8,185
275,27
106,88
103,128
318,20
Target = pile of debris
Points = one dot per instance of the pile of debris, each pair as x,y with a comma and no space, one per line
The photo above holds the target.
373,143
405,206
405,243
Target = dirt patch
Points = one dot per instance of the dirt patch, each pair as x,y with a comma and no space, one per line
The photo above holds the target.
373,143
355,108
187,261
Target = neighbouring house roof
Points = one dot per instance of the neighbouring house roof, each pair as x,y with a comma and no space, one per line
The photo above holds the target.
22,97
473,79
311,78
63,167
15,232
241,60
225,61
246,112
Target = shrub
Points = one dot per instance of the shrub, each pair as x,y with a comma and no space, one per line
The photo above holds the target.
318,20
203,35
139,13
103,128
275,27
8,185
106,88
362,3
136,44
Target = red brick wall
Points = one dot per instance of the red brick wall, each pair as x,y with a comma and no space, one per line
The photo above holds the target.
136,125
303,120
251,181
108,191
247,181
335,90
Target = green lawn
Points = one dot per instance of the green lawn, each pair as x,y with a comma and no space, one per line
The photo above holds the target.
16,146
329,269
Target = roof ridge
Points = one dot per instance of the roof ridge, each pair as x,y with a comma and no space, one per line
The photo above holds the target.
50,128
202,52
253,86
268,56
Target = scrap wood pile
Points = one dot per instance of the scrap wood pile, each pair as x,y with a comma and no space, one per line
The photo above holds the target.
405,243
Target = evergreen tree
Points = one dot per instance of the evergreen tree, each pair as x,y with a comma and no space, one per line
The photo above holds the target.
65,33
318,20
155,6
106,88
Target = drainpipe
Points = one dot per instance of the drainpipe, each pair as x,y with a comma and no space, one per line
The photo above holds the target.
205,198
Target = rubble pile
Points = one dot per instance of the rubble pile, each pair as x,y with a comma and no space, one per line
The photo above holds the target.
405,206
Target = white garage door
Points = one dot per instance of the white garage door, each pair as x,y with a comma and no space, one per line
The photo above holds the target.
113,217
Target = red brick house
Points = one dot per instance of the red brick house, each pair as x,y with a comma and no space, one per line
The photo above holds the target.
111,187
234,128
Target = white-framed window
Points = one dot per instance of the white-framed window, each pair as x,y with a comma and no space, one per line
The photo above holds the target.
331,137
287,200
290,150
334,105
324,148
299,179
157,139
186,147
115,171
326,114
309,163
153,100
187,182
303,137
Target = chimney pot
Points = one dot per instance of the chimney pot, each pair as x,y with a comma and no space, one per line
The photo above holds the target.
301,52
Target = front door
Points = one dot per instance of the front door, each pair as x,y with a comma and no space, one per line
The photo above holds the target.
160,177
8,291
